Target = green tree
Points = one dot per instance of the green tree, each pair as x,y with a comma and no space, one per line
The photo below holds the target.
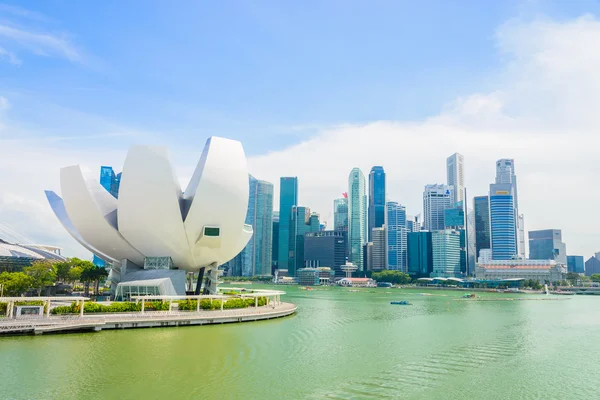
595,278
15,283
74,274
42,272
394,277
91,274
62,270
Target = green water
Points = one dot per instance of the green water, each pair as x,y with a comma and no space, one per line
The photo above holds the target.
341,344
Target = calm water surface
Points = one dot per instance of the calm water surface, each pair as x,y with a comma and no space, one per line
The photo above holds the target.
341,345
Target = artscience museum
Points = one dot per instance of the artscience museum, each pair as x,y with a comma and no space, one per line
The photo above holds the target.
154,233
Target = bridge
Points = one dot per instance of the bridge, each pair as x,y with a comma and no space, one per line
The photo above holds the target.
584,290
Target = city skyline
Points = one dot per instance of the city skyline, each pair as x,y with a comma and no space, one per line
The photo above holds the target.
486,99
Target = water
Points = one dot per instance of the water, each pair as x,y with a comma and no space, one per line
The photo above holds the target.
340,345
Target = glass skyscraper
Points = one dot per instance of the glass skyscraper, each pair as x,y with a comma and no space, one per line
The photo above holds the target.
503,220
357,217
376,199
455,174
288,198
275,236
109,181
302,221
575,264
420,254
547,244
340,214
396,236
436,199
481,205
505,174
446,254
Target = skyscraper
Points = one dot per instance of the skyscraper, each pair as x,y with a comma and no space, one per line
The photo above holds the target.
302,221
482,223
503,227
357,217
110,181
325,249
436,199
396,236
505,173
275,236
455,173
420,254
379,249
376,199
340,213
446,253
288,198
256,258
575,264
547,244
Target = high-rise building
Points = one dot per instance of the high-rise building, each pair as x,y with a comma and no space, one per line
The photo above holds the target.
455,173
395,225
275,247
412,224
379,249
481,205
575,264
454,218
357,217
376,199
325,249
503,229
436,199
420,254
288,198
302,221
547,244
340,213
256,258
592,266
445,246
110,181
471,251
505,174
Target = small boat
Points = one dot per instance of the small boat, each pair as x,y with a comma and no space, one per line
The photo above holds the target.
401,303
469,296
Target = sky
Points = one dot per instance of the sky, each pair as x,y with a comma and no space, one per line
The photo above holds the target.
312,89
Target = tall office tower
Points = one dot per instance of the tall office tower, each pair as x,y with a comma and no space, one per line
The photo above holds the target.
256,258
481,205
575,264
340,213
547,244
326,249
357,218
395,225
275,236
592,266
455,173
436,199
376,199
288,198
446,253
379,249
411,223
471,250
505,173
302,221
503,229
110,181
454,218
420,254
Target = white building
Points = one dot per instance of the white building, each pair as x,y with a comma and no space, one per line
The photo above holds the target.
379,253
436,199
357,217
539,270
455,173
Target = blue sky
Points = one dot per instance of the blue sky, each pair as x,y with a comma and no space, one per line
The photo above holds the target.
311,88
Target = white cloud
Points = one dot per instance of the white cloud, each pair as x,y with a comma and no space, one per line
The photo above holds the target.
11,57
543,113
43,44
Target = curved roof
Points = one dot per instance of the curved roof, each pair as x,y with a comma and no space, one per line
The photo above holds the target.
25,251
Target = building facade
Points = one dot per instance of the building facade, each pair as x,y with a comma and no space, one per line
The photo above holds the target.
481,207
376,217
505,174
547,244
455,174
575,264
110,181
446,251
302,222
543,271
592,266
396,236
340,213
503,229
357,217
275,246
436,199
420,254
288,198
379,249
325,249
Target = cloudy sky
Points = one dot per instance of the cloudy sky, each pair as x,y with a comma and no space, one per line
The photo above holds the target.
312,89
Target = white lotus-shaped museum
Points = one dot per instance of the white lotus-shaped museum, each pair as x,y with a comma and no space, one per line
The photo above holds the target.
200,227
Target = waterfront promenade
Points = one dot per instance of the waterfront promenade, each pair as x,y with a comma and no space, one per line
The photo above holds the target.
148,319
